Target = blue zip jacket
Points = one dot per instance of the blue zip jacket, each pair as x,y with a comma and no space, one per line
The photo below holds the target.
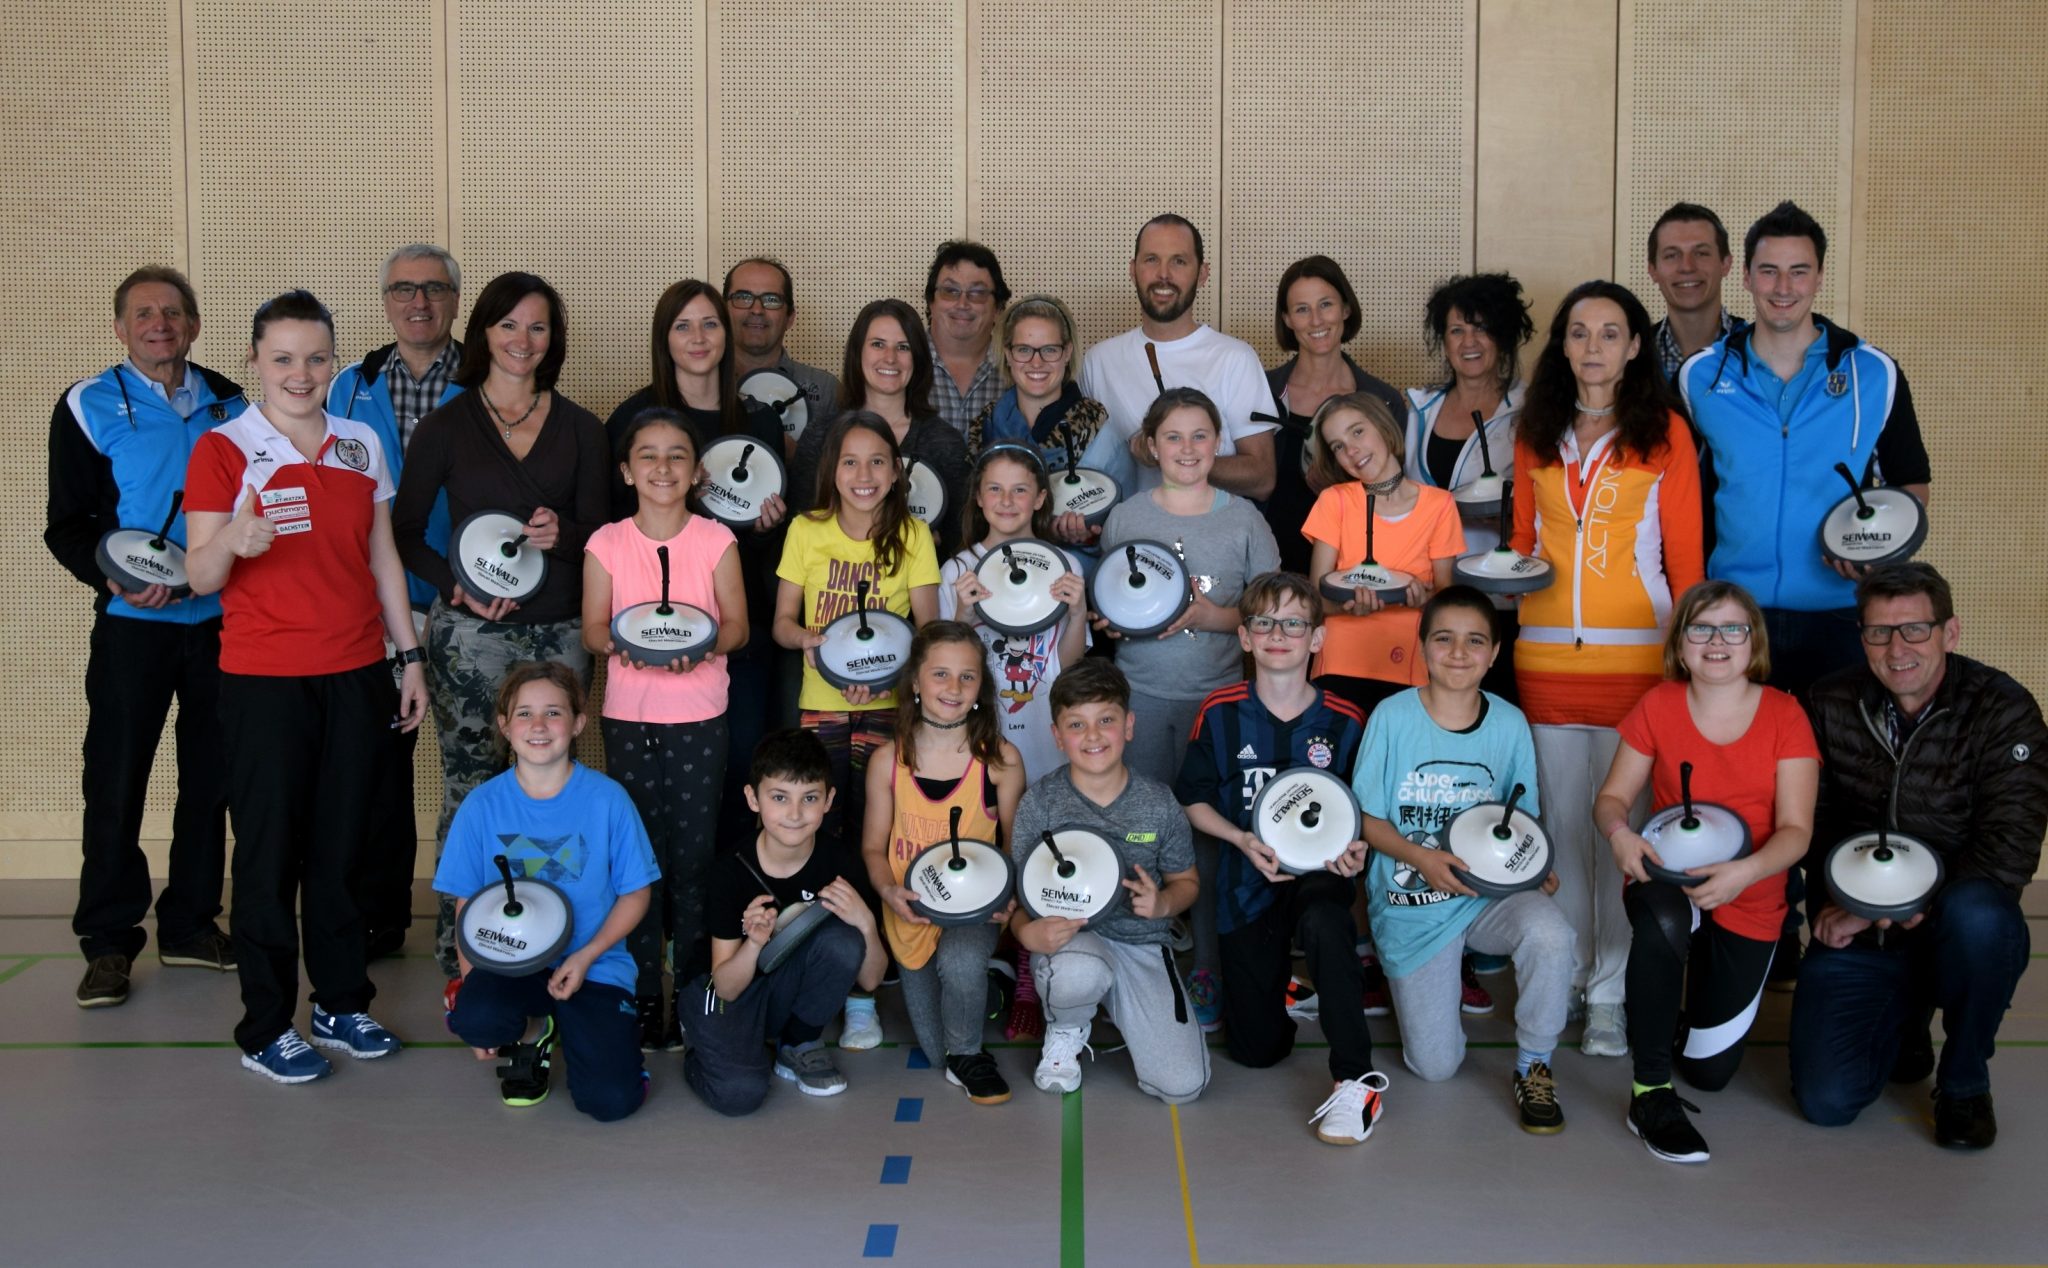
118,453
1774,453
363,392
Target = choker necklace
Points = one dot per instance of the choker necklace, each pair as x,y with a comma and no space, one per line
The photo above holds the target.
1590,412
504,426
937,725
1385,486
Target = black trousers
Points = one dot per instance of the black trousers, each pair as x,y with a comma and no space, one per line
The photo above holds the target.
133,670
1692,993
384,876
1316,911
302,755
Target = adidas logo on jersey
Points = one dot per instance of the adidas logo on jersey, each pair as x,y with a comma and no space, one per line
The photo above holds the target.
1247,754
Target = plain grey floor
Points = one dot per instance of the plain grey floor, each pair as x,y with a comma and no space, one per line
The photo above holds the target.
132,1135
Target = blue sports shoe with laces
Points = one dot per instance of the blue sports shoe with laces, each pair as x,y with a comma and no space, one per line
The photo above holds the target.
357,1034
288,1059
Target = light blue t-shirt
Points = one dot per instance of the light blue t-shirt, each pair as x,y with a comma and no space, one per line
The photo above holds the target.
586,840
1417,776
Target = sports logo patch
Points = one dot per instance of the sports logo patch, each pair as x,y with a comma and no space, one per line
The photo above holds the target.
1838,383
353,454
1319,753
218,413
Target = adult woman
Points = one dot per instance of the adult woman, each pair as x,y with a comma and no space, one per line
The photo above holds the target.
1477,324
511,443
1042,407
888,371
286,513
1611,498
1314,315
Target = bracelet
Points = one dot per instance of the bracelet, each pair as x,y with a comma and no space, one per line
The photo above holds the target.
410,656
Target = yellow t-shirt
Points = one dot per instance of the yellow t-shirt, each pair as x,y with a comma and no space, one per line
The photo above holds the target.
829,565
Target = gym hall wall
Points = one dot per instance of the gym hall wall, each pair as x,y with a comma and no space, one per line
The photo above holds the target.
617,147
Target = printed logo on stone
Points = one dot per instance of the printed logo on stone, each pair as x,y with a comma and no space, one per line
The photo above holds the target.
353,454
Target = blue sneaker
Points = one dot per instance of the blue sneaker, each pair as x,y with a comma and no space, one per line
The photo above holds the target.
357,1034
1488,965
288,1059
1207,1000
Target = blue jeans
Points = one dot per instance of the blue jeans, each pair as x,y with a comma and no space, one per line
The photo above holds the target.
1853,1004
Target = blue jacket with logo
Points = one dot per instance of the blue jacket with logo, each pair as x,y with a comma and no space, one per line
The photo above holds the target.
117,457
362,392
1773,472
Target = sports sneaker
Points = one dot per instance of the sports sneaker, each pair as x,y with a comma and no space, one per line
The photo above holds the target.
1206,998
207,950
1536,1096
1964,1122
105,984
862,1029
1379,997
448,994
1059,1061
810,1068
357,1034
1348,1117
1606,1032
1002,987
1657,1118
649,1009
1487,965
1302,1002
288,1059
977,1075
672,1030
1472,997
523,1079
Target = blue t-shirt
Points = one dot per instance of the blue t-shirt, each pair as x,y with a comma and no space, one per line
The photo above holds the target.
586,840
1417,776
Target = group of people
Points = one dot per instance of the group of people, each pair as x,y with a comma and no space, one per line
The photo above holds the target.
1673,475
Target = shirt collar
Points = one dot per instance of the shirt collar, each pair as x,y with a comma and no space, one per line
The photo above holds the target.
184,393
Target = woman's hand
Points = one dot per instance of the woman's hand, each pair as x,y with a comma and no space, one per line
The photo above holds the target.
1723,884
1630,850
544,529
1072,528
250,533
773,511
1363,602
489,609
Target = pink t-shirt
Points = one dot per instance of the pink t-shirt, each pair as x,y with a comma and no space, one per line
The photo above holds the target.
627,554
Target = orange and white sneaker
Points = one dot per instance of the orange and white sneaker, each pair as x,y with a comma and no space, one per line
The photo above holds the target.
1353,1109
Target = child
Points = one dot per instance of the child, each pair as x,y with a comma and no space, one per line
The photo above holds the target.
665,728
862,531
948,755
1698,958
735,1008
1125,959
1428,754
1244,735
564,823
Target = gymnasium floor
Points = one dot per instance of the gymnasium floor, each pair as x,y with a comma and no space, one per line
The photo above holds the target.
132,1135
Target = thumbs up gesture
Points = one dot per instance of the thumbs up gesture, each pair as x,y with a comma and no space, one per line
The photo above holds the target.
249,533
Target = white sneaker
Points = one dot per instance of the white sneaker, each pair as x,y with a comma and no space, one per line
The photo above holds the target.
1347,1118
862,1029
1059,1062
1606,1031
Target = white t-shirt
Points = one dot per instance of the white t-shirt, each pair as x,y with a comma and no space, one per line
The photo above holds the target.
1116,373
1023,669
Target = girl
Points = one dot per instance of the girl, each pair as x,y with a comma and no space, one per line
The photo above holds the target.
527,814
1697,963
286,510
1043,408
664,728
862,531
1610,495
949,754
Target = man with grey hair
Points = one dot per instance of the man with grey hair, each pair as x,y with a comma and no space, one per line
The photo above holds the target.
391,389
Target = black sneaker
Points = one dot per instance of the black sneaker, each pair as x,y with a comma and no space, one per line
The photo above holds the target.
207,950
1657,1118
672,1033
105,984
1916,1053
380,944
1964,1122
649,1008
976,1073
523,1079
1536,1096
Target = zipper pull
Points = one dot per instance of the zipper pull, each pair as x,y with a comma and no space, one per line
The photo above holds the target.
1578,644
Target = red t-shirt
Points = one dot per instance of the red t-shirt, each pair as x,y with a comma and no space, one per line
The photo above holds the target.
1742,776
308,605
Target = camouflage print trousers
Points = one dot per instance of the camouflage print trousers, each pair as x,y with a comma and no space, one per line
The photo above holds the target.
467,659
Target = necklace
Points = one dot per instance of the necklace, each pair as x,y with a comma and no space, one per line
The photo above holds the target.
937,725
1590,412
504,426
1386,486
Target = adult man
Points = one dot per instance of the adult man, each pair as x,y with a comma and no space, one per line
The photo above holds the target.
119,443
762,300
1954,753
1688,261
1167,268
964,298
391,389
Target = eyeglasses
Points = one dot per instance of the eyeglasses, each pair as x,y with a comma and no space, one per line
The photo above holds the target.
1050,352
1733,634
406,292
747,299
974,294
1291,626
1911,631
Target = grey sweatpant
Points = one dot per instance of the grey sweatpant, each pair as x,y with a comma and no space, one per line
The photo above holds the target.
1138,986
948,996
1528,928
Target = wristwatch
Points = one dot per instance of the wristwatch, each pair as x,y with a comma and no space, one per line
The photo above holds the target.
410,656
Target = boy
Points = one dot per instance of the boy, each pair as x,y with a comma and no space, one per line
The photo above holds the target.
1244,735
1430,752
734,1011
1125,959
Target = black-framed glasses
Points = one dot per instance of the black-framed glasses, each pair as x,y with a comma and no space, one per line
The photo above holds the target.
768,300
1046,352
1911,631
1291,626
406,292
952,294
1735,633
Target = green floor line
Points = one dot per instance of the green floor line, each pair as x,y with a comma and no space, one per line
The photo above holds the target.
1073,1224
27,961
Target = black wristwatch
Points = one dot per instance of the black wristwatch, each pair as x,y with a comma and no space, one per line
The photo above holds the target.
410,656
